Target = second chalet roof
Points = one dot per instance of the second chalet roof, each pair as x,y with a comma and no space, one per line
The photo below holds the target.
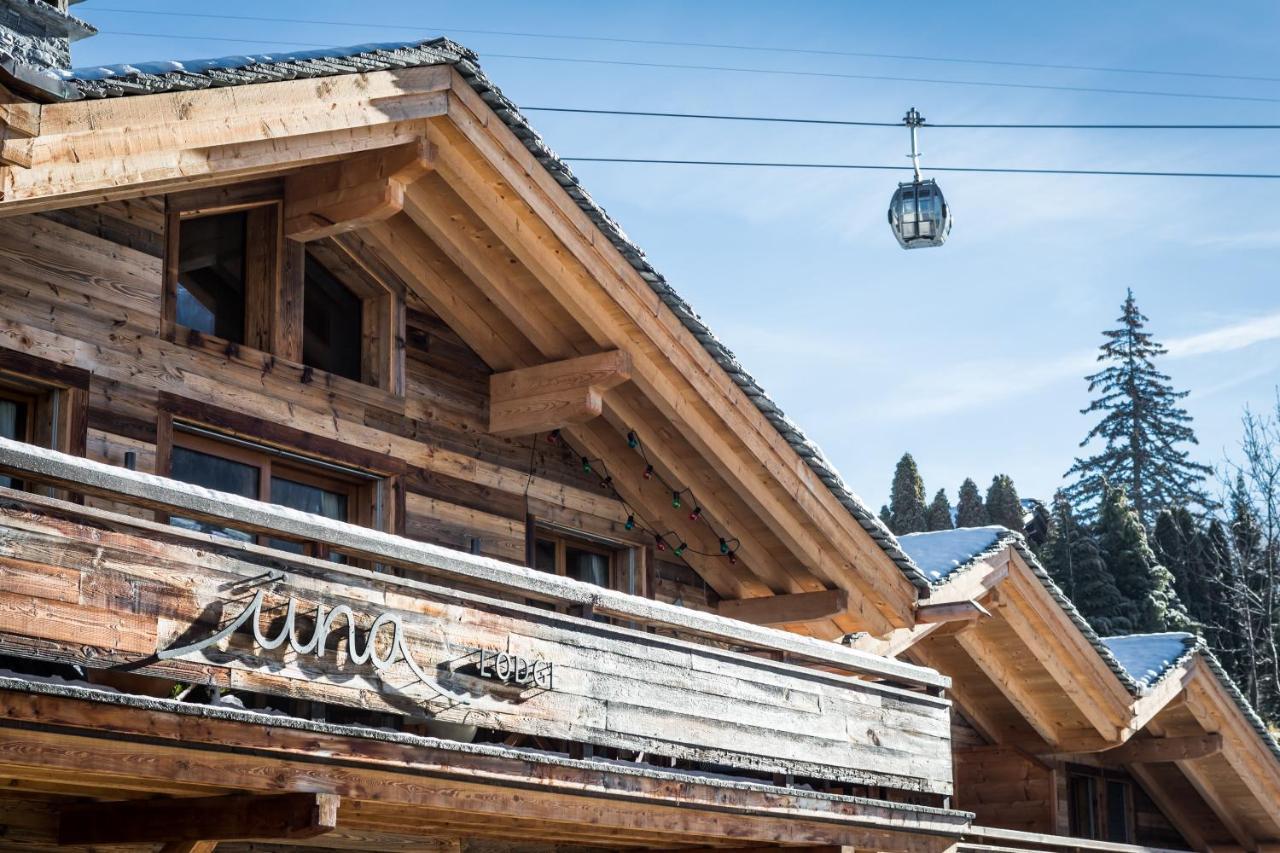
171,76
1140,661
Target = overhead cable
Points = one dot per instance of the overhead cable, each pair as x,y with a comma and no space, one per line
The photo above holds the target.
704,45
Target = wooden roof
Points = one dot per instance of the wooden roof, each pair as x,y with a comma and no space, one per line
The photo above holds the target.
496,237
1032,675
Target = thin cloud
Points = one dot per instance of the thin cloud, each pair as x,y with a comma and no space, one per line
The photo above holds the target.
971,385
1227,338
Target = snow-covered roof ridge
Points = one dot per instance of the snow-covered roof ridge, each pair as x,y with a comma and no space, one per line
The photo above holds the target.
1148,658
169,76
940,554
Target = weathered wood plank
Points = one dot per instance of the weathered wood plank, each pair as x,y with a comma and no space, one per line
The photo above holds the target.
607,688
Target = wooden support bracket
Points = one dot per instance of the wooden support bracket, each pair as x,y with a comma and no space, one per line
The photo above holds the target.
792,608
952,611
19,124
338,197
1152,750
239,817
550,396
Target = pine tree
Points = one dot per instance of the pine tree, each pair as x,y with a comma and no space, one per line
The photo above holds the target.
1003,506
939,517
1180,546
886,517
1074,560
970,511
1150,603
1141,427
907,512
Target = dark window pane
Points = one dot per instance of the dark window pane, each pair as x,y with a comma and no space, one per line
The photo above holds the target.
1117,812
587,566
1082,816
13,424
332,324
213,472
211,275
544,556
308,498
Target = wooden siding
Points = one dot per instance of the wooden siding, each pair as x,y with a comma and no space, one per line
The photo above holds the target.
76,594
82,287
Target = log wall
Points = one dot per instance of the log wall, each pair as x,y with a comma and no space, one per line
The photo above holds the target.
82,287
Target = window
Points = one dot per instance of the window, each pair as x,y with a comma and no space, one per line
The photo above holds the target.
42,403
575,559
1100,805
332,323
15,421
211,275
232,277
274,476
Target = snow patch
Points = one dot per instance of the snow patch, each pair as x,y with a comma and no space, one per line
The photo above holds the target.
941,552
1147,657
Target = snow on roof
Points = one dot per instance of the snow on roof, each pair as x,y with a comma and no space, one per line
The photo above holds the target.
1148,657
940,553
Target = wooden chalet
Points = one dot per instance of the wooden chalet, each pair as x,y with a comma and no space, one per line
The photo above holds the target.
363,487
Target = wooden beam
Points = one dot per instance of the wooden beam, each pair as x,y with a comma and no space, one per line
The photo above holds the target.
338,197
1174,812
550,396
677,373
19,124
189,847
793,608
202,819
1011,682
1152,750
955,611
1227,811
116,148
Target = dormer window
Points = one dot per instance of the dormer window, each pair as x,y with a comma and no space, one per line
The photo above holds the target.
232,280
211,275
332,324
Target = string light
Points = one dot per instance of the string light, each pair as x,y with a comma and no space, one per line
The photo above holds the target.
728,546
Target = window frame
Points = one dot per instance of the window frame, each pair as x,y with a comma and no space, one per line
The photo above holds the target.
267,311
275,285
1099,779
58,396
563,541
360,488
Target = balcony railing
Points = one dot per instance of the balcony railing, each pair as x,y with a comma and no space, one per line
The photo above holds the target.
431,634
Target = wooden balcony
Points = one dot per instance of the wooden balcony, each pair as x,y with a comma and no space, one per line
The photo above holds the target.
428,636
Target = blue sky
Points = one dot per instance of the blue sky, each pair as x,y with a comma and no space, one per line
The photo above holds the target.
970,356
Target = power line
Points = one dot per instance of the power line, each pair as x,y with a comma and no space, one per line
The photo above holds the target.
974,169
763,71
898,124
711,45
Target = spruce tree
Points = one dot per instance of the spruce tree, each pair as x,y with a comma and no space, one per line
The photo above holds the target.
1150,603
907,512
1075,562
1141,428
886,517
1181,547
939,517
1003,506
970,511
